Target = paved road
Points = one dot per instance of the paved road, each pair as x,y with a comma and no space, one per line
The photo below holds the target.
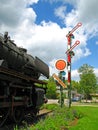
52,101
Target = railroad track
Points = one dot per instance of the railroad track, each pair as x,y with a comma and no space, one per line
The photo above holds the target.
27,121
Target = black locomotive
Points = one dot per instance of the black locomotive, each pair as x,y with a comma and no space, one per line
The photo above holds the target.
21,91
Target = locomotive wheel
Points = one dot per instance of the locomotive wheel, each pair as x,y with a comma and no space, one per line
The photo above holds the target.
34,112
18,114
3,115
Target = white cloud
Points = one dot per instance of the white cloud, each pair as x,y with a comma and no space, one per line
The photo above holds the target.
47,40
87,52
75,75
12,14
89,10
8,11
96,71
88,15
52,67
97,42
84,11
60,12
29,2
63,1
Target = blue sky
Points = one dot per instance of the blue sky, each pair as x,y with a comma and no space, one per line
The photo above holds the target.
45,11
41,26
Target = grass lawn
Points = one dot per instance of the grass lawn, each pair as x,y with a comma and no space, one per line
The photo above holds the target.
90,119
75,118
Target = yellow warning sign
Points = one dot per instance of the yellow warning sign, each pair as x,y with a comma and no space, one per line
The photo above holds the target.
59,81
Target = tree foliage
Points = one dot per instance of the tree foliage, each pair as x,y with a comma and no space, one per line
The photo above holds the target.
75,86
88,79
51,91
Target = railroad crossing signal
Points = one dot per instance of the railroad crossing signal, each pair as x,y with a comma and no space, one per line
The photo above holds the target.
59,81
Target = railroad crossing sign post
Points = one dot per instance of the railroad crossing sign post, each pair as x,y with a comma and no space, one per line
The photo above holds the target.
60,65
70,53
62,85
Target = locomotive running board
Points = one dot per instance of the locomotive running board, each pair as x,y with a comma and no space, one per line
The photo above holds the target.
19,75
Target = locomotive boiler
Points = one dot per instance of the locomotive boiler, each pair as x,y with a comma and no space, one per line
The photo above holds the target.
17,58
21,91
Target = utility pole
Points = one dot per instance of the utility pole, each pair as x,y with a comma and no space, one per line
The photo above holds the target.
70,53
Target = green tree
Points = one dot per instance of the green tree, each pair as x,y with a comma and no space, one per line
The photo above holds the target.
88,80
76,86
51,89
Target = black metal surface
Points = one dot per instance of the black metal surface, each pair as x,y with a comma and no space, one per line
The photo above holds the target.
17,58
26,122
20,87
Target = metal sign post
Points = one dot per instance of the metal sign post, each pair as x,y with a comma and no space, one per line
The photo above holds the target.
61,75
70,53
60,65
61,100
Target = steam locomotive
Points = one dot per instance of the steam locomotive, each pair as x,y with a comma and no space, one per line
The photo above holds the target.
21,91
